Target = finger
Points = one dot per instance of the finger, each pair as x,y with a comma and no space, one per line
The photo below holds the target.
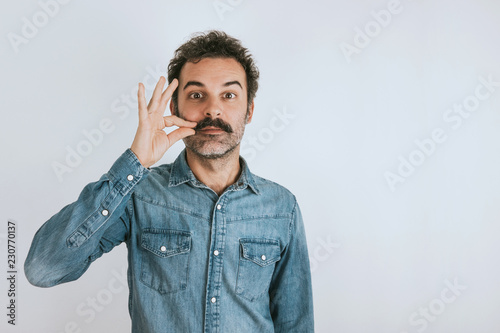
167,94
176,121
155,99
141,98
179,134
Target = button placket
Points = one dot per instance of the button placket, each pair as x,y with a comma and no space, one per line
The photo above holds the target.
216,262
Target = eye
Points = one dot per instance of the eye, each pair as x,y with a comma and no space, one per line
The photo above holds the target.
229,95
196,95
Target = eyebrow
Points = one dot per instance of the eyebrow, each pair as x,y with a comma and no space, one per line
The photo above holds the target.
230,83
193,83
199,84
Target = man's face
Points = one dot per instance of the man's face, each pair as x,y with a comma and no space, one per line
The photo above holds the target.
213,93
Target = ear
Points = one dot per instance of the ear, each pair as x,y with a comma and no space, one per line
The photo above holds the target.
250,112
172,112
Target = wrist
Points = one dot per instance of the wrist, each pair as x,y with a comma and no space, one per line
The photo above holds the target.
146,165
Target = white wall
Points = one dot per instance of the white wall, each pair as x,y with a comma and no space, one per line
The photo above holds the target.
385,254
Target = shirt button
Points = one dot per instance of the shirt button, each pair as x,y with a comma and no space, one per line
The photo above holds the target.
219,207
163,248
263,257
105,212
213,300
216,253
130,177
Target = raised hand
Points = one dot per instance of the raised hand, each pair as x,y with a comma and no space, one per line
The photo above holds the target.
151,142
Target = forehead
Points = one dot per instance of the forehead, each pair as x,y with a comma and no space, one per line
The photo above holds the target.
213,71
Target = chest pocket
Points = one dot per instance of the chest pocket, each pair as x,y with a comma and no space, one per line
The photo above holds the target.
165,259
258,257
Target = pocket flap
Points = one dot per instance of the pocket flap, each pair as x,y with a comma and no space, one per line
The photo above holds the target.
166,242
261,251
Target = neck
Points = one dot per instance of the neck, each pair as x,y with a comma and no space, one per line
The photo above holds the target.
218,173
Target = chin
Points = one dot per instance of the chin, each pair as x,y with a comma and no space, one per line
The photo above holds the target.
211,153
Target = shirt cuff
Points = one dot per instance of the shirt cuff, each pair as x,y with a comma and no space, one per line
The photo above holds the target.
127,171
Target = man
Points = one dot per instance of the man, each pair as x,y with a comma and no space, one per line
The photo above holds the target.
212,247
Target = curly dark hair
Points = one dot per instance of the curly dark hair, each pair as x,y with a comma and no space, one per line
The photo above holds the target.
214,44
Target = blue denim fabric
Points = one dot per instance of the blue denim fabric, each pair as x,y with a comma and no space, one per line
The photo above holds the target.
197,262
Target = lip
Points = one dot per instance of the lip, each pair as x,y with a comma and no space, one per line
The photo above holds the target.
211,130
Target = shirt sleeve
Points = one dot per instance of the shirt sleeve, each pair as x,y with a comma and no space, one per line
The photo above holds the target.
291,301
65,246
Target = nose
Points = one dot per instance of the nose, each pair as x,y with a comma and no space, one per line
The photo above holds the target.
213,109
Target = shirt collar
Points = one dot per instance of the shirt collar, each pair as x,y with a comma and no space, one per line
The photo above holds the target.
181,173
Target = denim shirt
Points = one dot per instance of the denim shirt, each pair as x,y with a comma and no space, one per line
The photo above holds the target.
198,262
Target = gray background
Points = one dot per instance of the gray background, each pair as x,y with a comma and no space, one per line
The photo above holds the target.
329,124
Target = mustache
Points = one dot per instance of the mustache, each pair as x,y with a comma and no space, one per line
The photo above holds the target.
219,123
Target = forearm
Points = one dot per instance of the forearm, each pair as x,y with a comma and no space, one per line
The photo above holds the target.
69,241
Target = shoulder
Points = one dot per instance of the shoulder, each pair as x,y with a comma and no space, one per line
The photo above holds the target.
268,188
158,178
162,170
